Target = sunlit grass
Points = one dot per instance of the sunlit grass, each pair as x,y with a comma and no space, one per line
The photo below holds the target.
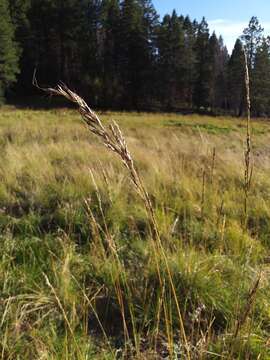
63,295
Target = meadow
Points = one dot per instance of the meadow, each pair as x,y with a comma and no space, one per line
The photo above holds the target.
66,293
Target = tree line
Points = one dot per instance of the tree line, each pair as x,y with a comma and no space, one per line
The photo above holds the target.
120,54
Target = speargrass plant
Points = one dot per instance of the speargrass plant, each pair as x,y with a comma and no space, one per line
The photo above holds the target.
114,140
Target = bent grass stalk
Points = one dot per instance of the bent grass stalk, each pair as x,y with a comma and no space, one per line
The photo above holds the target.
63,312
248,306
114,140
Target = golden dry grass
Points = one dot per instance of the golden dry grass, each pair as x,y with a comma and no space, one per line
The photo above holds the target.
63,295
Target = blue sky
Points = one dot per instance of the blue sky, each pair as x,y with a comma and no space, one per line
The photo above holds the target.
227,17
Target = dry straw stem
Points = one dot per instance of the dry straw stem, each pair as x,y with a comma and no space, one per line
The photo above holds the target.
114,140
63,312
248,307
248,151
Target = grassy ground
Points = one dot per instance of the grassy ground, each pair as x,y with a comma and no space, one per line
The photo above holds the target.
65,295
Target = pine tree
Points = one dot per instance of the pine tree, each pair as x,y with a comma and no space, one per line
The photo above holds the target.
135,49
260,90
171,46
221,98
189,60
236,79
117,53
64,43
19,15
129,52
111,82
214,50
8,50
150,22
251,38
202,86
89,44
218,59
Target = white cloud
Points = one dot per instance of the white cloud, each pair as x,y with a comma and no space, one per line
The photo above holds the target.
231,30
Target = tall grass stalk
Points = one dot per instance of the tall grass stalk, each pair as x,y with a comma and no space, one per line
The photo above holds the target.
64,313
248,306
248,150
114,140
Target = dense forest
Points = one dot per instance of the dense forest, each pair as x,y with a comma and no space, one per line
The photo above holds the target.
121,55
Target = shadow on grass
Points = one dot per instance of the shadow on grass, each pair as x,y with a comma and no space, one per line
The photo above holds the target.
210,128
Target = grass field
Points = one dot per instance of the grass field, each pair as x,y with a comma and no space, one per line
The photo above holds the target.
64,294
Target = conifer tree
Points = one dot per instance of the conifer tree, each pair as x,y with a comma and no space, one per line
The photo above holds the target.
236,79
9,56
251,38
19,15
189,60
171,49
64,43
111,82
221,98
261,80
135,49
214,50
202,86
120,55
218,58
150,22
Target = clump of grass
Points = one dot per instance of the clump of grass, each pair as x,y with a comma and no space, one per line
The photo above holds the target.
114,140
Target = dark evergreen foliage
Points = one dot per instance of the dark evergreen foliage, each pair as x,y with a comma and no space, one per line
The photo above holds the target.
236,79
120,54
261,80
8,50
251,38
